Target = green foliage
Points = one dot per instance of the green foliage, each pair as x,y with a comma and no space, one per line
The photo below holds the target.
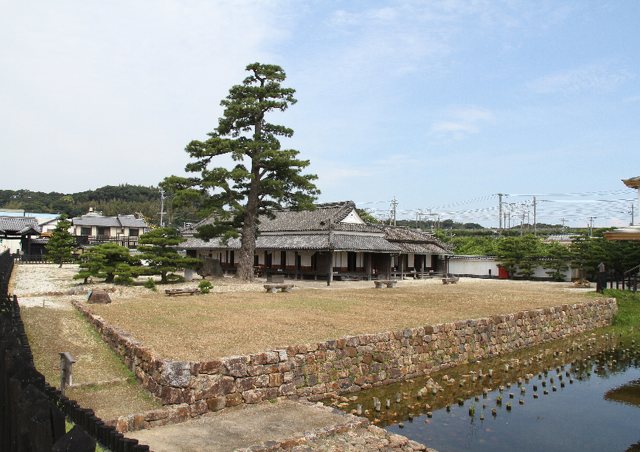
618,256
150,284
205,286
519,254
172,278
61,243
107,261
157,247
628,314
264,177
557,259
477,245
367,217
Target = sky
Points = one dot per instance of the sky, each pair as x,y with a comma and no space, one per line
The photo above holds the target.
439,104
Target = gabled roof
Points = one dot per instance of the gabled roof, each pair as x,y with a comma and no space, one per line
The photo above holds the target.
120,221
332,226
19,226
318,219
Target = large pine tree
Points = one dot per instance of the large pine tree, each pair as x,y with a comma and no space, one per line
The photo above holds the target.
266,177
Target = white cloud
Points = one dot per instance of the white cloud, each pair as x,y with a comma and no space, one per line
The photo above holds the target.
586,78
461,121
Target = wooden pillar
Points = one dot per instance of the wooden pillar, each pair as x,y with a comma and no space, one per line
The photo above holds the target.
389,266
368,265
330,275
295,265
401,261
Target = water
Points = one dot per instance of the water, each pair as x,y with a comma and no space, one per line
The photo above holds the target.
592,401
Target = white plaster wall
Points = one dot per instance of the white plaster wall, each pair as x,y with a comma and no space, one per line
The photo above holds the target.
305,260
473,267
481,267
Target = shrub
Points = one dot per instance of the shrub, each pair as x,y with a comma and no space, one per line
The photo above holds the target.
205,286
150,284
172,278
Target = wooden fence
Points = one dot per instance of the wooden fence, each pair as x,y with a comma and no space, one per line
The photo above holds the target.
32,413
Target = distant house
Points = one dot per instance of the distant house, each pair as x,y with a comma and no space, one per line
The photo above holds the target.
331,241
17,233
94,228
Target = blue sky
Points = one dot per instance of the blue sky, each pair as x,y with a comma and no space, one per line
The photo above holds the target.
442,104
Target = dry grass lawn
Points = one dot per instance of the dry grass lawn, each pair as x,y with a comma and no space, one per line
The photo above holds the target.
104,383
222,324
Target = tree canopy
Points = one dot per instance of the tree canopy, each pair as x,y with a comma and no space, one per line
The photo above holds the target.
157,247
264,177
108,261
61,243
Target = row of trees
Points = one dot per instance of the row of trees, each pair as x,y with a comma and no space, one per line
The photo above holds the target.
520,255
114,263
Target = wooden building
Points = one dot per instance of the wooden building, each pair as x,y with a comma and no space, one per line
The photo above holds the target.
94,228
329,242
16,233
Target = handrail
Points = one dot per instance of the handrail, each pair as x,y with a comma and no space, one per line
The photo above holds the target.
633,270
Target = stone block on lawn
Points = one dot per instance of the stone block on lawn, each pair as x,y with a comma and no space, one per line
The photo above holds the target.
98,296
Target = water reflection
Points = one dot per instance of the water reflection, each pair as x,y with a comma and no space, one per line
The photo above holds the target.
628,393
554,397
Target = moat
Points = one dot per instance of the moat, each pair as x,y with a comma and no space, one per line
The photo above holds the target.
576,394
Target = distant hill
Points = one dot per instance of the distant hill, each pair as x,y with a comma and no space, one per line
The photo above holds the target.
110,200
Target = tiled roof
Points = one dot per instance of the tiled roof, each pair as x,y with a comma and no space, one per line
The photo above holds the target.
308,220
129,221
19,225
316,242
413,241
321,229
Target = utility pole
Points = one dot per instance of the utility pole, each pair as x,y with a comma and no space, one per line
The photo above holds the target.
591,226
563,222
161,208
394,209
535,205
500,211
632,215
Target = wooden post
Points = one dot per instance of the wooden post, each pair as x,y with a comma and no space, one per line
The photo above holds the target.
367,265
330,276
66,362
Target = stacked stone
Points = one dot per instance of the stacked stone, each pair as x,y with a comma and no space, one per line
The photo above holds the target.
345,365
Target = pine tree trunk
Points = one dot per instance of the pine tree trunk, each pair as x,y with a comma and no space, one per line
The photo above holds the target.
247,250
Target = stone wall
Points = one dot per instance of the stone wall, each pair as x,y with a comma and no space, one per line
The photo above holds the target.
347,364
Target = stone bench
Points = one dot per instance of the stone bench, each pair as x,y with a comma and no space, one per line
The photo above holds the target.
390,283
450,279
273,288
172,292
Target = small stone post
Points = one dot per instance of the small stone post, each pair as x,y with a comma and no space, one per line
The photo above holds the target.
66,361
601,283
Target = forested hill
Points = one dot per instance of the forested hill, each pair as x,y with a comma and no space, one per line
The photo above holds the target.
111,200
